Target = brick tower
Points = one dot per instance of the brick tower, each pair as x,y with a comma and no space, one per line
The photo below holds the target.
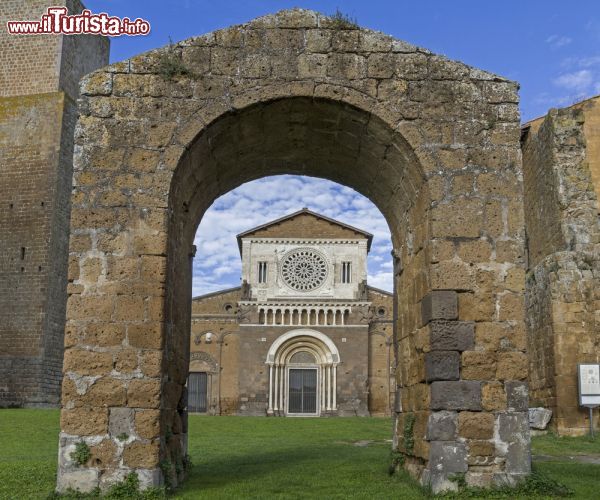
39,78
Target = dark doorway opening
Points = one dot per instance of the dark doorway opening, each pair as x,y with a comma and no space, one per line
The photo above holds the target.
303,391
197,392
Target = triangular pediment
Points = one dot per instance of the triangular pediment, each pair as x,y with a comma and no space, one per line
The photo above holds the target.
306,224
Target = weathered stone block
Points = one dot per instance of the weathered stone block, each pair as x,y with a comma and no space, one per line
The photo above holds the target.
475,425
449,457
513,429
481,448
478,365
442,426
539,418
147,423
85,362
83,480
456,395
150,363
142,455
104,454
84,421
493,396
145,335
512,366
126,361
451,335
517,395
143,393
439,304
479,479
120,421
106,391
458,220
442,365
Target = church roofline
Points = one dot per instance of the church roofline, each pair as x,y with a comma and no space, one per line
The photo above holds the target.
305,210
218,292
379,290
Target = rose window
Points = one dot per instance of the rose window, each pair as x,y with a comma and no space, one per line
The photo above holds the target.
304,269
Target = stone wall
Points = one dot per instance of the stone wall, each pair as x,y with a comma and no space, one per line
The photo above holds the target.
38,89
382,363
212,314
560,155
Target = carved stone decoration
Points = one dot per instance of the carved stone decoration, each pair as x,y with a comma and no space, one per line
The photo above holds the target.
363,290
243,314
366,314
304,269
245,291
206,358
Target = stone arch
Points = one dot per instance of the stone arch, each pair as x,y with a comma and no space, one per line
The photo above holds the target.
326,358
328,352
432,142
204,362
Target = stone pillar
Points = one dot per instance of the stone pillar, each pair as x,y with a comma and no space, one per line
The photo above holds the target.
478,402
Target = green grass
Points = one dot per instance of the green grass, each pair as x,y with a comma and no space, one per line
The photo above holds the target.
243,457
552,445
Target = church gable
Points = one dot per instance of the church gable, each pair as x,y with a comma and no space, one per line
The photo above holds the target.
306,224
221,302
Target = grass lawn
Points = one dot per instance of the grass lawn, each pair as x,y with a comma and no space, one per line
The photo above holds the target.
244,457
556,446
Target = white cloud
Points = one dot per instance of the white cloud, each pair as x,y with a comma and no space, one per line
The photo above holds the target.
557,41
579,80
581,62
217,264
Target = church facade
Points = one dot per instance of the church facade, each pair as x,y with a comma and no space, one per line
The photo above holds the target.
304,335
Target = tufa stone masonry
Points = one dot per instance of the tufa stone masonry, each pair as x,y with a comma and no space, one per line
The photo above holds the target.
484,291
561,166
432,142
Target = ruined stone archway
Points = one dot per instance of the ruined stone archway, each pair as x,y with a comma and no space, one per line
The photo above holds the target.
433,143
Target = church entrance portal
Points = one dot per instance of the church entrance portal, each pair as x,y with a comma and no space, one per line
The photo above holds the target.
302,391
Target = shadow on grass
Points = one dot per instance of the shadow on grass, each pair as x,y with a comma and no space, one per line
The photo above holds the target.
291,469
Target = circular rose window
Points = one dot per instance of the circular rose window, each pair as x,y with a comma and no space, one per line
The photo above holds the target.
304,269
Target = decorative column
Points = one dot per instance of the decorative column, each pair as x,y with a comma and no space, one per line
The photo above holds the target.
270,409
334,387
276,388
321,388
282,403
329,387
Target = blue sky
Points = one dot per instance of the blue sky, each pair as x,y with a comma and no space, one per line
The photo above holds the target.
551,47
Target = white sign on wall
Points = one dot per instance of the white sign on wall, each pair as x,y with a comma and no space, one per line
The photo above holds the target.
589,384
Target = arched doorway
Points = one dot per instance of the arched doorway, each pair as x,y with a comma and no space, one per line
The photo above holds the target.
424,138
303,374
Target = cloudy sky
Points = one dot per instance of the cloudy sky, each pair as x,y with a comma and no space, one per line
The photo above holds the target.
217,264
551,47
